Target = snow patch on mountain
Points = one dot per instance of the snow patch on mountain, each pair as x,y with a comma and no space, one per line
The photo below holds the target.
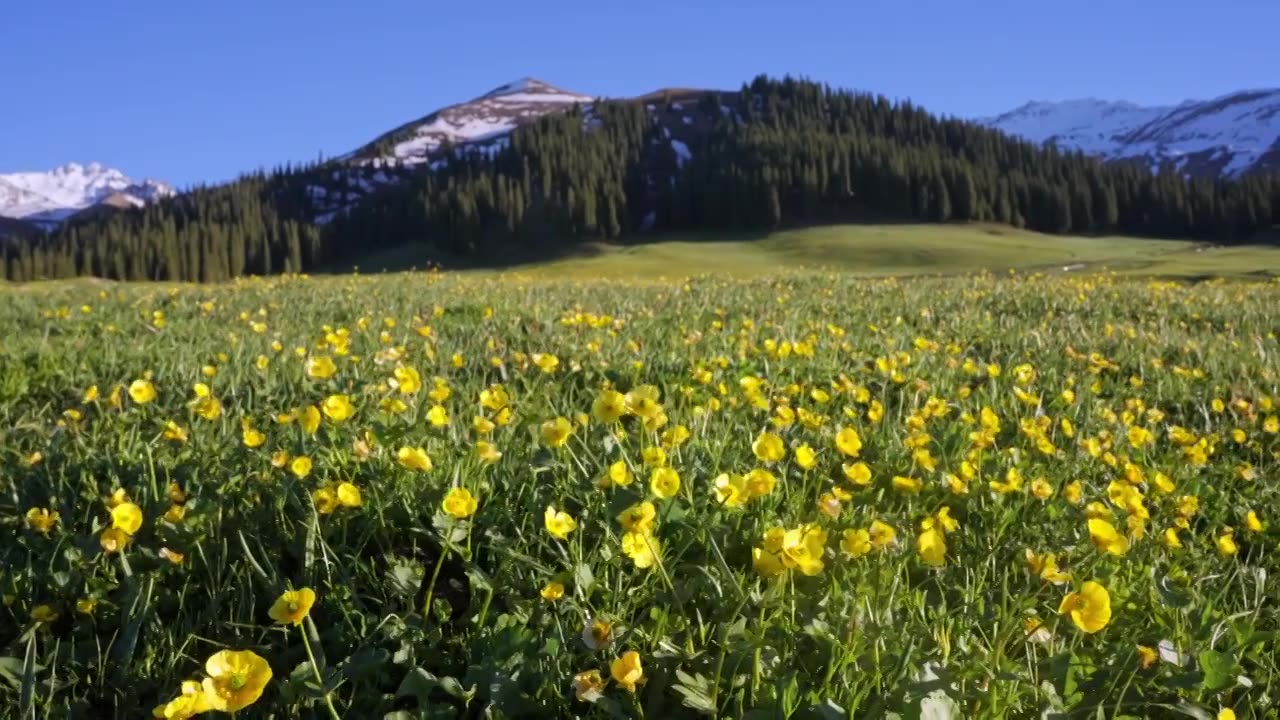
683,155
484,120
1096,127
1227,135
465,130
50,197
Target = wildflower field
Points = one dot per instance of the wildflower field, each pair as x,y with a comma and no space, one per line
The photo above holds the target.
800,496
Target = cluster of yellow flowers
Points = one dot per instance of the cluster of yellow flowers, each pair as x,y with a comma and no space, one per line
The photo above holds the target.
692,468
626,670
235,679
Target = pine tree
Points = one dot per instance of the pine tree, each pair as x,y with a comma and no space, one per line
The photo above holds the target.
941,200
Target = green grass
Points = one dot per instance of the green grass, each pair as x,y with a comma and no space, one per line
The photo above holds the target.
1018,407
900,250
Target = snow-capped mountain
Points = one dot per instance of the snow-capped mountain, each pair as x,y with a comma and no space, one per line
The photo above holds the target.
486,120
1227,136
49,197
480,125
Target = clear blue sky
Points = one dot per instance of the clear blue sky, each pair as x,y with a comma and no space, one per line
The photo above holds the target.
190,91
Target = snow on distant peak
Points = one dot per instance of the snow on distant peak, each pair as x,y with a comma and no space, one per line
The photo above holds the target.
521,85
67,189
529,85
1094,126
1227,135
475,123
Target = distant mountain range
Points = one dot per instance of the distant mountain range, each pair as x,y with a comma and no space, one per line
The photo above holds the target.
45,199
1227,136
529,170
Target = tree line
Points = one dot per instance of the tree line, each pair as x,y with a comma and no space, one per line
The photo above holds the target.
776,152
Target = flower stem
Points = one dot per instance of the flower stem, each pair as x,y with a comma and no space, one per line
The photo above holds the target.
328,701
435,574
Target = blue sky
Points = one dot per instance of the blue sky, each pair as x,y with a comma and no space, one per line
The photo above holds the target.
199,91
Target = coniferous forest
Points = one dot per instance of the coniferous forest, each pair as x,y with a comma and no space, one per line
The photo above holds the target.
774,153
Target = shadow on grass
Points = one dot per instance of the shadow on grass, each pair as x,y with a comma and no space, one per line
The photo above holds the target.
512,256
534,251
944,257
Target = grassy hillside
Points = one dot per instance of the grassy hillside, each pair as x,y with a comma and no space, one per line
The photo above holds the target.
884,250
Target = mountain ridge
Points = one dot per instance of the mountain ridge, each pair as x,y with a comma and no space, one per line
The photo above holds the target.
775,153
1229,136
1194,137
47,198
480,126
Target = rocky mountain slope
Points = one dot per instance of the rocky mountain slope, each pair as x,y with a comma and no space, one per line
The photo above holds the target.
1227,136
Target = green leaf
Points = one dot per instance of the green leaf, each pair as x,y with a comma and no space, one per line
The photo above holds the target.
583,578
405,578
454,689
27,697
418,684
1063,669
139,611
696,691
301,683
479,578
11,671
939,706
1219,669
696,701
302,672
364,663
677,513
1266,637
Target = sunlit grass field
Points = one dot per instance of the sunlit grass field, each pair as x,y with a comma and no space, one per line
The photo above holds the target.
532,495
879,251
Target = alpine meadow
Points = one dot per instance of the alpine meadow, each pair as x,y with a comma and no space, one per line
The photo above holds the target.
459,495
944,386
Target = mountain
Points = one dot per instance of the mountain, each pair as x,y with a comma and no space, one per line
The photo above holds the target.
482,127
1228,136
48,198
531,171
485,120
1225,137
